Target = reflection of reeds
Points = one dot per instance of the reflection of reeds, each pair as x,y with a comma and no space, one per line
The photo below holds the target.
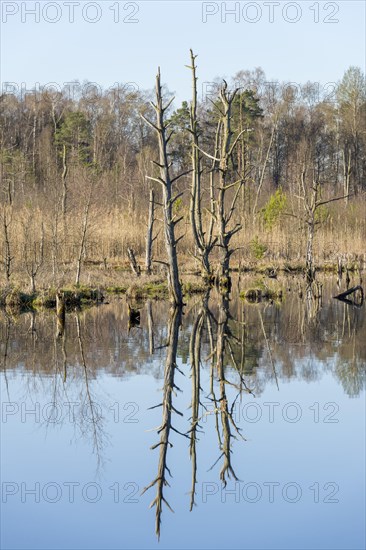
166,424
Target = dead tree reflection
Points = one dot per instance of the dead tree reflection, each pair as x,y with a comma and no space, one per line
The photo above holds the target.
195,362
150,325
229,429
169,388
5,343
224,347
313,303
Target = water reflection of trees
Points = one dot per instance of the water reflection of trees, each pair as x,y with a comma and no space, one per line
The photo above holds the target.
233,350
220,337
300,349
225,341
228,429
58,367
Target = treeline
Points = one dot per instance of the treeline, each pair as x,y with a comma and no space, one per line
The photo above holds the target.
78,172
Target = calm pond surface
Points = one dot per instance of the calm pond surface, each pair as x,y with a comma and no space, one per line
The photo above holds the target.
260,412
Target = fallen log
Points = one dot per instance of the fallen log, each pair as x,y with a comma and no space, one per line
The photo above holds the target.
343,296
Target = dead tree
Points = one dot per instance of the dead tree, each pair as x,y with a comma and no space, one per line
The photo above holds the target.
133,263
8,258
265,164
150,228
347,171
204,241
223,163
33,257
84,228
166,181
64,182
225,212
312,202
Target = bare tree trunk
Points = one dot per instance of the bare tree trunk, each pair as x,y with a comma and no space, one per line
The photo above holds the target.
261,179
311,201
203,244
309,267
166,182
64,182
83,237
133,263
346,172
55,243
225,213
310,205
34,259
225,210
150,228
8,258
34,133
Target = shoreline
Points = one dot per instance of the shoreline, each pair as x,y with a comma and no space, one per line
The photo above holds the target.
18,297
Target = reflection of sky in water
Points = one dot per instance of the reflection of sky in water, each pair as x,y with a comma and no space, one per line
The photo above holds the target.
307,453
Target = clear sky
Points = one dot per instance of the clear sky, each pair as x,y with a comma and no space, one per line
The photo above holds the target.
293,41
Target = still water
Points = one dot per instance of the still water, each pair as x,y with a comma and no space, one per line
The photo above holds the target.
247,420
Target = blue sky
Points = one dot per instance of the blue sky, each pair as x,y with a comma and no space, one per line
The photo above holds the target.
112,49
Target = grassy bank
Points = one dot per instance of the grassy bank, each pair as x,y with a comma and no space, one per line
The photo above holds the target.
16,298
255,281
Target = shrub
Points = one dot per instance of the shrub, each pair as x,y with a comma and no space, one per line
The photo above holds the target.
257,249
274,208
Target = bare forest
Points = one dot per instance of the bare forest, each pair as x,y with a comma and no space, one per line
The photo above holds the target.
253,174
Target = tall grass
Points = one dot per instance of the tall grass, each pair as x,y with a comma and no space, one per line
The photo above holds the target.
111,231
